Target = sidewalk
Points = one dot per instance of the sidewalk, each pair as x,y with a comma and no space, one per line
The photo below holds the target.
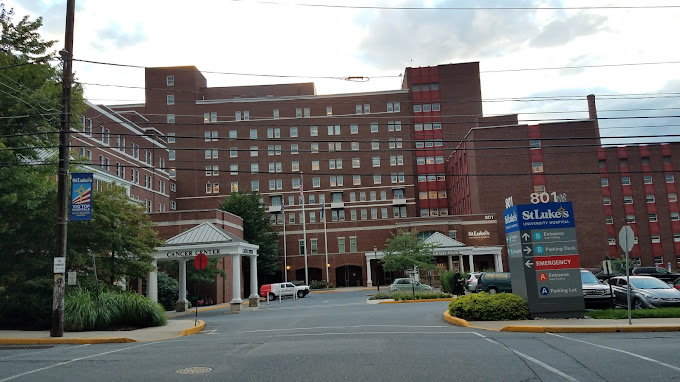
174,328
585,325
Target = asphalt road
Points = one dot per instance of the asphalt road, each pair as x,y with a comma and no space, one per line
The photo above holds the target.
338,337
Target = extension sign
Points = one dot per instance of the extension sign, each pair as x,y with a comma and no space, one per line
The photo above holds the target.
81,196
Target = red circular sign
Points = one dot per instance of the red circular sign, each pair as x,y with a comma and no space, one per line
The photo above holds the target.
200,261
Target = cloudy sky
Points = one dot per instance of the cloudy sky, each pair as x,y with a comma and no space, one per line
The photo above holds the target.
539,59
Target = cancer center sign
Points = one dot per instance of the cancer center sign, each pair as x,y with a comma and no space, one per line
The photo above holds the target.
543,258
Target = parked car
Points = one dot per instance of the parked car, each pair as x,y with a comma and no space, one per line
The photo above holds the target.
658,272
676,285
494,282
472,281
646,292
595,293
600,275
405,285
273,291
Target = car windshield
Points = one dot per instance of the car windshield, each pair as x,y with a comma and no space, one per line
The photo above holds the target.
588,278
649,283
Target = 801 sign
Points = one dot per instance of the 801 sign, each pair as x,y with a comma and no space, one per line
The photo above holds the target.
544,197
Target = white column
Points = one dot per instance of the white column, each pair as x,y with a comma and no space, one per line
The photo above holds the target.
253,277
182,302
152,282
460,264
499,262
236,277
451,262
369,281
472,263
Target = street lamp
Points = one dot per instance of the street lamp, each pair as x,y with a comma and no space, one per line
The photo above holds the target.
375,253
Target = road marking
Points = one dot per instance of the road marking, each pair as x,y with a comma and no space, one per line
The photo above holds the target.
362,333
313,306
621,351
75,360
342,327
42,351
534,360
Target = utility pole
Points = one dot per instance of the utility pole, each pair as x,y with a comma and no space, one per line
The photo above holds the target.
62,175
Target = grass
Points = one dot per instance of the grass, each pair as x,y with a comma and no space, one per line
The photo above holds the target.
642,313
84,310
409,296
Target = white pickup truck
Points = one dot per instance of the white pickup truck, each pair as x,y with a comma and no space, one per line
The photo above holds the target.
273,291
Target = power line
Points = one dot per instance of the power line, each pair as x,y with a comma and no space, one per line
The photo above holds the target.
345,77
402,8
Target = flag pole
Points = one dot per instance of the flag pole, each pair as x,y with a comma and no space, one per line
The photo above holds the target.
304,227
325,237
285,258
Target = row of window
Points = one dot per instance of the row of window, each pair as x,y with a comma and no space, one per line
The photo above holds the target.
121,145
623,162
430,160
425,108
425,87
433,143
646,179
244,115
273,150
649,198
340,215
277,184
653,218
424,195
121,170
655,238
427,126
337,197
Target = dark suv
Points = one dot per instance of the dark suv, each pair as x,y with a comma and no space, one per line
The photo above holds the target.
494,282
658,272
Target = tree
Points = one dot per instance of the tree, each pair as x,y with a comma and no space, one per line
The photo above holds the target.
404,251
119,234
256,229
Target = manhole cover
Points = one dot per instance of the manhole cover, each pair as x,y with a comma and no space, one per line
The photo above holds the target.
194,370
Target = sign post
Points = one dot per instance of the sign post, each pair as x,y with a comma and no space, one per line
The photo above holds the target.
543,258
200,262
626,241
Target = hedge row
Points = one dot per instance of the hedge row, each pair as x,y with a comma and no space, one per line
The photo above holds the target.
485,307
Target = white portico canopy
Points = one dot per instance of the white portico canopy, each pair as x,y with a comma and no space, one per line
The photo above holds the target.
446,246
214,242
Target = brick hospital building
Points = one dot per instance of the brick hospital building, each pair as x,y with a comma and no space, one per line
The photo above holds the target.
422,157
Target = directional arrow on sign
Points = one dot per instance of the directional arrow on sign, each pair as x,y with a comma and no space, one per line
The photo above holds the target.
528,263
527,250
526,236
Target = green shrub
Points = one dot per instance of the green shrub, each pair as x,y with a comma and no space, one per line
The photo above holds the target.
168,291
409,296
27,305
447,281
320,284
419,295
85,310
486,307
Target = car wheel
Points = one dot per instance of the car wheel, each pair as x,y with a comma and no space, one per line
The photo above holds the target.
272,297
638,304
300,294
492,291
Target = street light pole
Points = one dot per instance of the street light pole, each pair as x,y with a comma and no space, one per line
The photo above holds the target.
375,253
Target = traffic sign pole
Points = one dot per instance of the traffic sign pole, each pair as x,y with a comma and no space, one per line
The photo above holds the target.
626,241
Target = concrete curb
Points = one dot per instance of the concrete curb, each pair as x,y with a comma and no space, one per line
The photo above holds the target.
455,320
411,301
61,340
194,330
565,329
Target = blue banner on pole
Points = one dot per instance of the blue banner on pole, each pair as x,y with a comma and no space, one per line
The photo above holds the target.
81,196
